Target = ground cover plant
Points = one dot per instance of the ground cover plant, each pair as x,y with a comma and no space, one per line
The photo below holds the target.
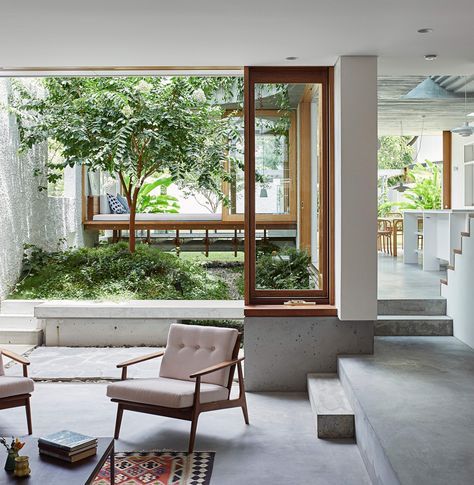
112,272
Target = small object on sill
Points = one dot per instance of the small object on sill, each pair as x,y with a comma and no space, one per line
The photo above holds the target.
298,302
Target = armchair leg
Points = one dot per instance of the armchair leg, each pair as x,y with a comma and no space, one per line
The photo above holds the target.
192,437
118,421
242,393
28,416
245,411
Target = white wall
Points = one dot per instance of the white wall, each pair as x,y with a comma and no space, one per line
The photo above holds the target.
429,147
27,215
459,291
355,113
457,174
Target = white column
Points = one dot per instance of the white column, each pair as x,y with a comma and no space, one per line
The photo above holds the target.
355,116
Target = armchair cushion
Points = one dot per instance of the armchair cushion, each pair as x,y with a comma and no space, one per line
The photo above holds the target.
170,393
191,348
14,386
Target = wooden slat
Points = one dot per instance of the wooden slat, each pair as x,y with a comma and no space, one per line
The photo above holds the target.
305,176
183,225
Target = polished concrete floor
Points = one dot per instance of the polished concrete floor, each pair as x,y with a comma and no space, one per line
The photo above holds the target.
279,447
87,363
397,280
417,394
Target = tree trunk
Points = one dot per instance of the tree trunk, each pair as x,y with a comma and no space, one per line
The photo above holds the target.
131,224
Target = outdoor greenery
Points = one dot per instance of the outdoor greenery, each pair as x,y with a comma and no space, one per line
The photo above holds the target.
112,272
157,203
426,193
134,127
424,190
394,152
283,269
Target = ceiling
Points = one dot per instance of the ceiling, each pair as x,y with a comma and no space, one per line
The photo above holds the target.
412,115
58,33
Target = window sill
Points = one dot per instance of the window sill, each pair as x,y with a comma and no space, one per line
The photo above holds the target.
290,311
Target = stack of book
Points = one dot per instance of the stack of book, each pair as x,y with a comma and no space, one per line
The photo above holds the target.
68,446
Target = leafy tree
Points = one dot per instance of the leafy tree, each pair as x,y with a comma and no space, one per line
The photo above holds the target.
130,126
394,152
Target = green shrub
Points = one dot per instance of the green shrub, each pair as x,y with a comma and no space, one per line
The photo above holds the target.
284,269
111,271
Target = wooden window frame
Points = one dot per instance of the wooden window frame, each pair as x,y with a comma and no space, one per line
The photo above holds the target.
324,77
291,216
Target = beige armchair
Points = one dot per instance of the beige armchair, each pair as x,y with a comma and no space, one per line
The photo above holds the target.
195,376
15,391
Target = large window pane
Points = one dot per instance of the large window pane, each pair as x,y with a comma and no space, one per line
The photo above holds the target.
288,169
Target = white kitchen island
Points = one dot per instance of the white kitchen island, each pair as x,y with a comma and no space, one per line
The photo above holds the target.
441,235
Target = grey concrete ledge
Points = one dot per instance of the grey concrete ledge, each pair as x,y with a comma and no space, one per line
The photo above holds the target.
140,309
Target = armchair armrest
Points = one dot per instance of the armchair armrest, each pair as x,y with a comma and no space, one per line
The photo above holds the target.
137,360
143,358
215,368
17,358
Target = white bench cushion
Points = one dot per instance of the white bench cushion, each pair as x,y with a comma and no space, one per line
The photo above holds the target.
13,386
191,348
2,372
159,217
170,393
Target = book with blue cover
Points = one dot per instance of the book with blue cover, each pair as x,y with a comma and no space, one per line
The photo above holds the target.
67,440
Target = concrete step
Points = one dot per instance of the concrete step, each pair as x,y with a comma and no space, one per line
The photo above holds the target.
413,409
334,415
18,307
24,322
410,326
434,306
21,337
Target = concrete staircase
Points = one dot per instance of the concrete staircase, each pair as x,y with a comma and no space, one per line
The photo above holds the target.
334,414
18,324
413,318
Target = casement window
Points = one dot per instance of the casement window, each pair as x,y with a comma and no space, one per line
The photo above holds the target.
287,179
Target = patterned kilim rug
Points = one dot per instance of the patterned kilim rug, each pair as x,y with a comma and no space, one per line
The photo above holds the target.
159,468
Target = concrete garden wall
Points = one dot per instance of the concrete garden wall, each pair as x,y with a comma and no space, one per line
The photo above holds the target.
27,215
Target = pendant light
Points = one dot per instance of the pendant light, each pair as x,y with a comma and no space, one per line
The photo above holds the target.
466,129
401,187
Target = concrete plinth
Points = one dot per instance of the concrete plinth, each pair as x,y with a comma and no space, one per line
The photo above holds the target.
280,352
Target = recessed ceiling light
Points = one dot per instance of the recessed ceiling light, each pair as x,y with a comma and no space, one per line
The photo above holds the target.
291,58
426,30
430,57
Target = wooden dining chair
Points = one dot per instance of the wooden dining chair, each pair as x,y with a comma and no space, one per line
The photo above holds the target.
398,220
16,391
384,236
196,376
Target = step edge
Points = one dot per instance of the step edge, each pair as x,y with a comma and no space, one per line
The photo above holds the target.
363,419
349,411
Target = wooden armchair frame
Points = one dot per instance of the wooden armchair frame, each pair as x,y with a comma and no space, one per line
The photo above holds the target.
20,399
190,413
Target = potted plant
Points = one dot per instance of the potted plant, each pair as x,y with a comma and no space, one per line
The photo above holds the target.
12,449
